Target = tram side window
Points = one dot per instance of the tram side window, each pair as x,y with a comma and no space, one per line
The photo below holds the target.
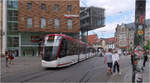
63,49
69,48
75,48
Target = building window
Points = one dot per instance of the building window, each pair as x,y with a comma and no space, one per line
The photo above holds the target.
43,6
29,22
56,25
29,6
56,7
13,42
43,23
69,8
50,21
69,23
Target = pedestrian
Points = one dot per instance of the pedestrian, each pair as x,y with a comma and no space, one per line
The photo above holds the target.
145,58
7,57
132,54
116,62
108,59
11,58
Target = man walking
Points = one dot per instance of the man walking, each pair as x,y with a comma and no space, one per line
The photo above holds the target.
108,59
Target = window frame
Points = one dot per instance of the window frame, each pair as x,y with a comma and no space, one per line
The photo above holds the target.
43,6
56,7
43,22
29,22
29,6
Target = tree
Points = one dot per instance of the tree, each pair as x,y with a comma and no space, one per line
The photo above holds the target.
147,46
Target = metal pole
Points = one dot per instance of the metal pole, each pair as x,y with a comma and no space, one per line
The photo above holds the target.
4,27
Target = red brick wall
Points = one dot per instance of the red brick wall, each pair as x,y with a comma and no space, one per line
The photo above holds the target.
36,13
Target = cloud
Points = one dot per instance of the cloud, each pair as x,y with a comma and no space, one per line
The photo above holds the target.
148,9
112,6
117,12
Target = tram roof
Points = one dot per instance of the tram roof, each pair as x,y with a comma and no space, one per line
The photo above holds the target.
69,38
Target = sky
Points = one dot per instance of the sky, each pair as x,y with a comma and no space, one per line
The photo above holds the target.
116,12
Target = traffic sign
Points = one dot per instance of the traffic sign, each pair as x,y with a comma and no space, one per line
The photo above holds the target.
140,32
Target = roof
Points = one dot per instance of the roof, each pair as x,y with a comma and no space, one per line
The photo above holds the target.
109,40
132,25
92,39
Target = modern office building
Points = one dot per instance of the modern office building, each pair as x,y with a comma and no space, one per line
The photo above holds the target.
28,21
91,18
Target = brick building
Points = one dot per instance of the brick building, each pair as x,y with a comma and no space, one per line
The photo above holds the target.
38,18
28,21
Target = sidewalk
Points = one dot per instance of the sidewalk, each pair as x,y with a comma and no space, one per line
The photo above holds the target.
146,73
126,75
20,64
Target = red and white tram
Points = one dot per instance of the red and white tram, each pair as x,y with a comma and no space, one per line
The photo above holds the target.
60,50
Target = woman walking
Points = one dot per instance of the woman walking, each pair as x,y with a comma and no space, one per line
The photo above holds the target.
116,62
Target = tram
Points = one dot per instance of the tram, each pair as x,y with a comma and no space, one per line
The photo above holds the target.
60,50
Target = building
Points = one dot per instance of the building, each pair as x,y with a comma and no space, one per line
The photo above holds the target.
125,35
91,18
110,43
30,20
92,39
122,36
0,27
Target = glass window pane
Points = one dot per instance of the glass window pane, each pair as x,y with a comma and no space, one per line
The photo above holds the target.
29,6
69,8
29,22
43,23
56,25
69,23
43,6
56,7
13,42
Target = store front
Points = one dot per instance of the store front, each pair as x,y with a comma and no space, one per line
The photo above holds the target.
30,43
29,51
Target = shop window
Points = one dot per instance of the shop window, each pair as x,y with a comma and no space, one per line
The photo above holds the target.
13,42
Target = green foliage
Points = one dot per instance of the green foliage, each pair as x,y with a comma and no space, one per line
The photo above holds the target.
147,46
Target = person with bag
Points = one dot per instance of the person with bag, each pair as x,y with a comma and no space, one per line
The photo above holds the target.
11,58
116,63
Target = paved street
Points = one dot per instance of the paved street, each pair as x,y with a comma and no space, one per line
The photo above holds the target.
28,69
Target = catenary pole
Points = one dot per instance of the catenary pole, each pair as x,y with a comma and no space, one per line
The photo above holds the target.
139,35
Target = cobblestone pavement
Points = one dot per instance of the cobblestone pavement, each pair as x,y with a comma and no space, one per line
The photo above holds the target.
27,64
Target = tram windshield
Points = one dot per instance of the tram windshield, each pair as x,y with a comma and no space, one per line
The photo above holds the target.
51,46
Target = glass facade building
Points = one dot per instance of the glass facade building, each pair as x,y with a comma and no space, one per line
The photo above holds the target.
12,26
